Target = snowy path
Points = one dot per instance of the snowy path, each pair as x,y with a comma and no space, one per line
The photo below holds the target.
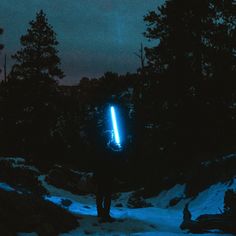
143,221
159,220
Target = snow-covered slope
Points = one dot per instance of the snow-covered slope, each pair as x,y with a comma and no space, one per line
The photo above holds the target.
160,219
211,201
157,220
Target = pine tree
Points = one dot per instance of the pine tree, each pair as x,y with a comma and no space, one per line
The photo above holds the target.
38,57
194,38
32,88
220,41
178,27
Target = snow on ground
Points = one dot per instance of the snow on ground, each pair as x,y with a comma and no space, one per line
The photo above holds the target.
211,201
157,220
160,219
19,162
6,187
163,199
13,159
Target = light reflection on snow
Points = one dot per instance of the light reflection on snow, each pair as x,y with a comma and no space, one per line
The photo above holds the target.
6,187
75,207
82,209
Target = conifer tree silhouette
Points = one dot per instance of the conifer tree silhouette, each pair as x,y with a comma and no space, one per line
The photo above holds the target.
38,57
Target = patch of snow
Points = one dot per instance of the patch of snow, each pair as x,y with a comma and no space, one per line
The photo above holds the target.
210,201
13,159
123,199
82,173
19,162
151,126
9,188
57,192
76,207
33,168
6,187
230,156
59,166
223,158
164,198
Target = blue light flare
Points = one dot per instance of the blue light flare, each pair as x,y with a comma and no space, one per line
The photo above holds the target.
115,127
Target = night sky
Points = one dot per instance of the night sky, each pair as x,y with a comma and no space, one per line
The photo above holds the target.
95,36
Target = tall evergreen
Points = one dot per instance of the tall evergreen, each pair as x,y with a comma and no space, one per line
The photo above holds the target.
38,57
178,28
193,38
32,91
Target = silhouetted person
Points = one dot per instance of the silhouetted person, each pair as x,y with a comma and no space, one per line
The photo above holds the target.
104,180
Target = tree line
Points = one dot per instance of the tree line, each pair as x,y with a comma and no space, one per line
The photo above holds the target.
179,108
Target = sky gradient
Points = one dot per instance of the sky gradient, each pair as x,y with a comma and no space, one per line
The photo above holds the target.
94,36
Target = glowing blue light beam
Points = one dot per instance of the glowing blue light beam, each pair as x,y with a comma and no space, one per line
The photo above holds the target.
115,127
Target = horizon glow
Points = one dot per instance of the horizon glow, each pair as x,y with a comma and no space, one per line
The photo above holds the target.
115,127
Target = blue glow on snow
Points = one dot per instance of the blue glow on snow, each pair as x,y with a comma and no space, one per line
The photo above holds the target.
6,187
115,127
79,208
75,207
